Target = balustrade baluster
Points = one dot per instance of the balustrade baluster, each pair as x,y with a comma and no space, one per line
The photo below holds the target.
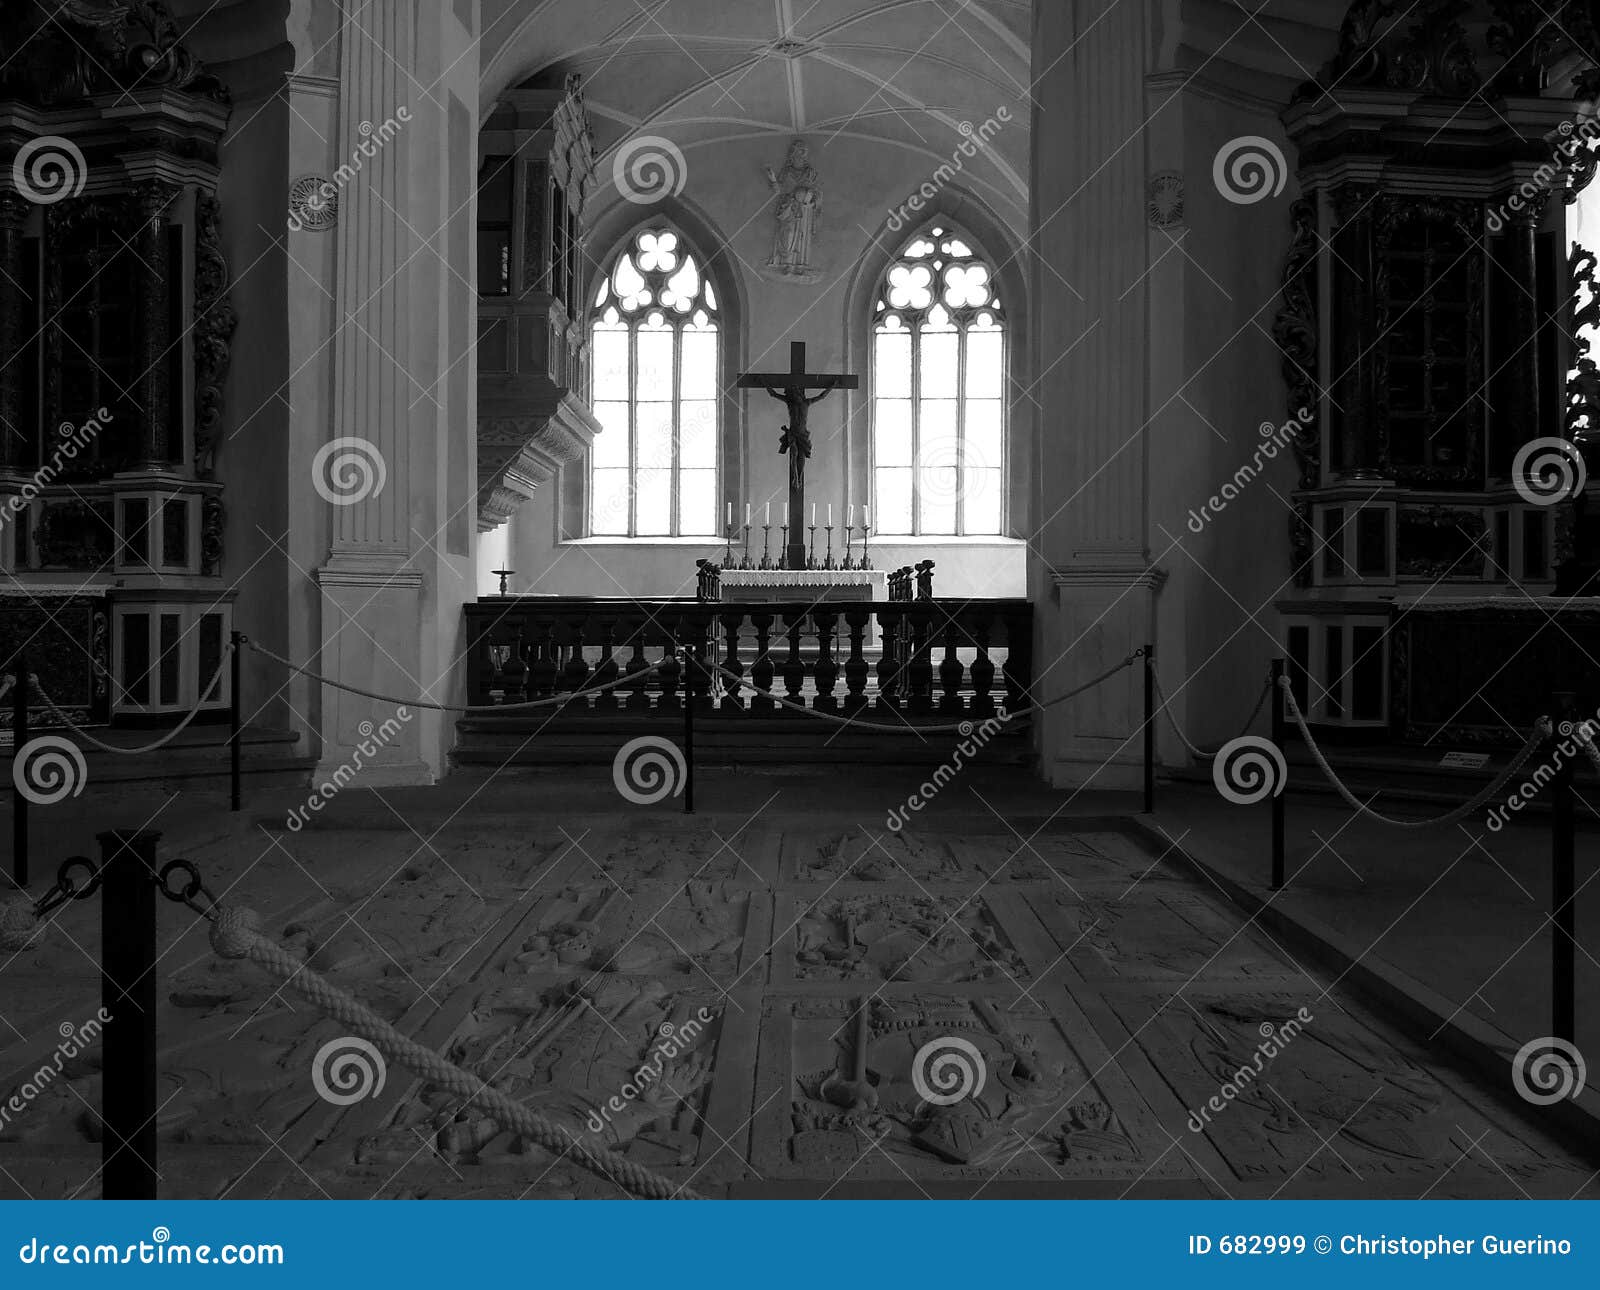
919,671
982,670
950,671
763,671
671,670
638,699
576,672
826,673
514,675
889,664
607,670
855,668
794,668
733,698
542,675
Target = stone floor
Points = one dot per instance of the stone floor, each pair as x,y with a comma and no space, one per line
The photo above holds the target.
785,962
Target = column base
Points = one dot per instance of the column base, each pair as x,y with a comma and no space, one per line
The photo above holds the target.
371,623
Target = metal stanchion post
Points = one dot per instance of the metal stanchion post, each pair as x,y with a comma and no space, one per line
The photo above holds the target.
1563,888
128,995
234,722
19,800
1277,797
688,729
1149,729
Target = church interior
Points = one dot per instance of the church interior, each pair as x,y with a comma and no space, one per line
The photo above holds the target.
799,599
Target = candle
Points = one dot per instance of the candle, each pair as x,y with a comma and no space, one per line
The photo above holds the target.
813,515
768,520
830,515
852,520
730,515
866,516
747,515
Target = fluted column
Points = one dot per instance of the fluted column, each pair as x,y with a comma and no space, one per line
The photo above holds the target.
13,217
372,615
1092,585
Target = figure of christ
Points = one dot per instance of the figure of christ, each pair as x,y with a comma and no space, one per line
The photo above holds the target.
796,438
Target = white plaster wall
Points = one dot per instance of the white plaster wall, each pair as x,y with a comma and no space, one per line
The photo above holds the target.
863,185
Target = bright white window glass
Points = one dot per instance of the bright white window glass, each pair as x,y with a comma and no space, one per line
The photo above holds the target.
656,390
939,392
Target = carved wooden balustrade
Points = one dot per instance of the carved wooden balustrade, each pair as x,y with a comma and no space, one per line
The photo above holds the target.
929,660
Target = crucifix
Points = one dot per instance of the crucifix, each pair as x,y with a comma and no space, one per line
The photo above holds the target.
792,389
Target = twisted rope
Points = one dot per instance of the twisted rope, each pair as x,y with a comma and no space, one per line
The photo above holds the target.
1541,731
234,935
559,700
1249,721
81,733
5,685
1585,737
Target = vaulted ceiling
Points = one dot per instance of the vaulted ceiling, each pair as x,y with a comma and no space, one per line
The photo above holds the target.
907,74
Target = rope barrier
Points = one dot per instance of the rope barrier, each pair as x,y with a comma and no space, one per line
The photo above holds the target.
235,935
559,700
1585,737
1089,685
1541,731
81,733
7,683
1249,721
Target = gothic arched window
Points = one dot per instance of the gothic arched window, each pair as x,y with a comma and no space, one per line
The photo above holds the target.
657,388
938,391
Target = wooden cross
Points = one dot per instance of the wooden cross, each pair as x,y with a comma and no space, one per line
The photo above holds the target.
791,389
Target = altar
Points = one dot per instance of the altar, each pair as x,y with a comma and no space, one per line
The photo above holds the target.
810,585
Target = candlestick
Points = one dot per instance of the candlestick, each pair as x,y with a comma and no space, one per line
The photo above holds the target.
849,529
828,563
783,546
727,556
811,551
503,574
745,562
866,562
766,538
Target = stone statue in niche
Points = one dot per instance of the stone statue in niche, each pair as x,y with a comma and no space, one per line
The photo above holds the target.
797,198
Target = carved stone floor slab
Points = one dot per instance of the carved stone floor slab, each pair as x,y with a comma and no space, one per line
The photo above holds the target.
840,1102
1154,932
1338,1103
690,993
